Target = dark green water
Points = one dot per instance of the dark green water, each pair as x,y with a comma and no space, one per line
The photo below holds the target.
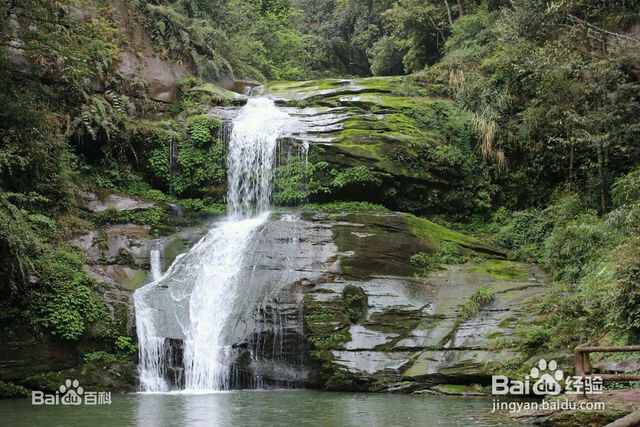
259,408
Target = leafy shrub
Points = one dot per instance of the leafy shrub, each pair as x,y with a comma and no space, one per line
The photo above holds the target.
359,175
535,337
200,129
18,246
124,345
203,206
355,301
69,303
156,218
525,231
571,246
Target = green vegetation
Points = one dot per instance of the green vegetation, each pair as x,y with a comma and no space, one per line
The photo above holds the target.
436,235
594,260
355,302
502,270
344,207
520,121
71,303
449,253
479,299
156,218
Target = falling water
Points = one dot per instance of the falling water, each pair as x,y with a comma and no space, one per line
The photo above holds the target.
203,287
251,156
155,261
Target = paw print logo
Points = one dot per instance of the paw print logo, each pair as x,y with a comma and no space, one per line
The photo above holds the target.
548,378
71,393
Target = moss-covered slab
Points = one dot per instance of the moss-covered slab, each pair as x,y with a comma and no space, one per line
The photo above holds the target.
503,269
219,94
436,234
459,390
309,91
423,148
415,331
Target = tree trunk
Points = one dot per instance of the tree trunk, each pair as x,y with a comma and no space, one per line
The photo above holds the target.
446,4
461,7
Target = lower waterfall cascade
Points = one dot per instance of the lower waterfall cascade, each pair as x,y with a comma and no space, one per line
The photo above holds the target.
187,319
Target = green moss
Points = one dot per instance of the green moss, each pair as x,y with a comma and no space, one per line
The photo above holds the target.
218,93
316,90
156,218
435,234
377,103
344,207
333,341
449,253
394,320
502,270
336,379
393,124
365,136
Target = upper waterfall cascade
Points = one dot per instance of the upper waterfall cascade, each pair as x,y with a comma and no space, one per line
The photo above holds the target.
201,299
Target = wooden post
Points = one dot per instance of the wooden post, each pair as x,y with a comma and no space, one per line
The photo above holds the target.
579,371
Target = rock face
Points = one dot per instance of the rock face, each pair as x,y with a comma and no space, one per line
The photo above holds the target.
412,334
94,203
339,306
419,148
140,63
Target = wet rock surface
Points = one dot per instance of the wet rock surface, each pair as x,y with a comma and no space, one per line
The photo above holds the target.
339,307
411,332
408,142
94,202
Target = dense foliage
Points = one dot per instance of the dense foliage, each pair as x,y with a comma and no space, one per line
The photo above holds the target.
538,102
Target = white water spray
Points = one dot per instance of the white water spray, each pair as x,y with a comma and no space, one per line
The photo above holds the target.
204,282
155,262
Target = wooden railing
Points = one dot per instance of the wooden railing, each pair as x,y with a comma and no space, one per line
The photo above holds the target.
583,364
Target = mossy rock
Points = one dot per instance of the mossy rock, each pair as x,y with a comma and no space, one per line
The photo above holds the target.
341,380
502,270
423,147
219,94
293,93
435,234
460,390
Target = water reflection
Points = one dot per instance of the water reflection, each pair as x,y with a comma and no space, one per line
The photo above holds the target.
259,408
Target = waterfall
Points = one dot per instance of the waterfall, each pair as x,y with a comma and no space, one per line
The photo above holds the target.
195,300
155,261
251,156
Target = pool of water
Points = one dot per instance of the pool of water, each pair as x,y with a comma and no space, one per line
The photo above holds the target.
259,408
